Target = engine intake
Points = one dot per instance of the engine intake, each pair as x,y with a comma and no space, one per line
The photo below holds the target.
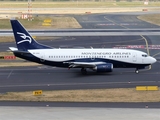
108,67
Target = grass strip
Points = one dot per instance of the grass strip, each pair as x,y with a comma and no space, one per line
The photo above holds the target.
14,63
93,95
10,63
11,38
5,53
151,18
36,23
77,4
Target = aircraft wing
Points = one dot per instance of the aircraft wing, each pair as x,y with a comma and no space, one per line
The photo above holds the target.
84,64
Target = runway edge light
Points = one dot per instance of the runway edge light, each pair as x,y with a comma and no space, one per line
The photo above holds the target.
37,92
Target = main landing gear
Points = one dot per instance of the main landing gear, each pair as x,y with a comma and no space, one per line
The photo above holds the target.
137,71
84,71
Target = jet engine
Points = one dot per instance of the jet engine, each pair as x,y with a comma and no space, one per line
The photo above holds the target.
108,67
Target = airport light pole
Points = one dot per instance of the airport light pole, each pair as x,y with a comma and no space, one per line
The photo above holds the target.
29,10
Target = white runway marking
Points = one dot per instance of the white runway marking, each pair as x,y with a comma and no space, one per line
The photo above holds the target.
74,84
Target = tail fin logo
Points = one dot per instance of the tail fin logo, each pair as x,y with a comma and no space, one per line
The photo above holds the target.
25,38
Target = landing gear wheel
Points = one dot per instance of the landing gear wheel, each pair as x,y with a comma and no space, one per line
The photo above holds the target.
83,71
136,71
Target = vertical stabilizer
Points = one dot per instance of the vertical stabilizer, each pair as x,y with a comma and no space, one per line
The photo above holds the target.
24,40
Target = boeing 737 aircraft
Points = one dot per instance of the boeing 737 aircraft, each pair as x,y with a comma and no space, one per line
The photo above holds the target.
99,60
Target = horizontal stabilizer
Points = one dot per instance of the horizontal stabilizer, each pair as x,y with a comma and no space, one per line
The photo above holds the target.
15,50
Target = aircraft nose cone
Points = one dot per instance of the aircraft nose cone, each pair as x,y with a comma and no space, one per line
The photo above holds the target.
153,60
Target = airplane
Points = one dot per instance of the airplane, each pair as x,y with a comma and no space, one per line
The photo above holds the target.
100,60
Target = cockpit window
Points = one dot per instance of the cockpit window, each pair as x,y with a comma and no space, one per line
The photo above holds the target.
144,55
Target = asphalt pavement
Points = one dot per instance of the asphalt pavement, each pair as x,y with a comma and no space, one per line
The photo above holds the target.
51,78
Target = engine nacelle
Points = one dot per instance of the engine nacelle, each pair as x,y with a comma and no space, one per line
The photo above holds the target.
108,67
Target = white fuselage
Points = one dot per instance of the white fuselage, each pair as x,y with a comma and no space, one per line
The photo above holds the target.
122,55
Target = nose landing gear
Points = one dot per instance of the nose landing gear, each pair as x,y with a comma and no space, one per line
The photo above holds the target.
84,71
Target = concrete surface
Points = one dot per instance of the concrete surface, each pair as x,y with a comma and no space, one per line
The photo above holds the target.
77,10
54,113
